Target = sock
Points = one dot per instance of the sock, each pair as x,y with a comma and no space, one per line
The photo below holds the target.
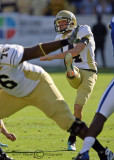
72,139
98,147
1,151
88,143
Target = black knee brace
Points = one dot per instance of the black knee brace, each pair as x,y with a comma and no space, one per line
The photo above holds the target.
76,127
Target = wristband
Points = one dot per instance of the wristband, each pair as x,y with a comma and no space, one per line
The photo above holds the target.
40,45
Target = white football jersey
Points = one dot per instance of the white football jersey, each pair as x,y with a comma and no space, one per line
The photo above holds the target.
17,79
86,59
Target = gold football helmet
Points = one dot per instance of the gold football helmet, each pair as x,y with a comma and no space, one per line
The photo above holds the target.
65,15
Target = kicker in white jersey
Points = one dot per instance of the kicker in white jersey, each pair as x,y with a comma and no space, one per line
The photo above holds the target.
86,59
15,78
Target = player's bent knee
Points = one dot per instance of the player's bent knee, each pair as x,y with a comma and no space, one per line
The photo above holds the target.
62,115
76,127
64,122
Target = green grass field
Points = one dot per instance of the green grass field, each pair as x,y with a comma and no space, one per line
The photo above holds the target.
35,132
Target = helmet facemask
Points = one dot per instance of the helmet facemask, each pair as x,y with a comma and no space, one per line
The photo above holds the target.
70,21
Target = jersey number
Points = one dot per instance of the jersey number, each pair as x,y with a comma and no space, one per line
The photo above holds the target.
7,83
76,58
3,52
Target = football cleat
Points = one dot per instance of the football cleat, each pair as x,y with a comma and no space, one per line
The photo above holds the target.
5,157
8,158
3,145
68,60
83,156
71,146
106,155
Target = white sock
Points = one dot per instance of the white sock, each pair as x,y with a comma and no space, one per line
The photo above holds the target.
87,144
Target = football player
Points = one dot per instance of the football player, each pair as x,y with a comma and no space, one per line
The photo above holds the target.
104,111
23,84
83,75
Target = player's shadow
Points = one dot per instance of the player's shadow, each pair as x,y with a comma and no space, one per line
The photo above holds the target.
61,150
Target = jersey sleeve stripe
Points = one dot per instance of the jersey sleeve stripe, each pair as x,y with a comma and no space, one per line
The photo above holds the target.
12,56
110,86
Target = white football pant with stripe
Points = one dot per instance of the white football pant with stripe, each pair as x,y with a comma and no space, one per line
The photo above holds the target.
106,105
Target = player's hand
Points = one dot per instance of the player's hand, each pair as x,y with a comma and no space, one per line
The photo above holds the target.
11,136
46,58
73,37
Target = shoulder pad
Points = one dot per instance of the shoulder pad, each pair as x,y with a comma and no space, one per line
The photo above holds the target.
84,30
11,54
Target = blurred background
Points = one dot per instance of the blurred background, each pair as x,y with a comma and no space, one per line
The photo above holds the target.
28,22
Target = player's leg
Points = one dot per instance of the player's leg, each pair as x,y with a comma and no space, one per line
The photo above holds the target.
105,109
73,77
74,82
49,100
84,91
80,129
10,104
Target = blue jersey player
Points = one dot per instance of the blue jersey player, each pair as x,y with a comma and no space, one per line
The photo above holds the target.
105,109
112,32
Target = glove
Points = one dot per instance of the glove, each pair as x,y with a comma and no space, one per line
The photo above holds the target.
73,37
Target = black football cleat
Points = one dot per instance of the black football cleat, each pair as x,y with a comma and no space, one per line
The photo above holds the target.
83,156
106,154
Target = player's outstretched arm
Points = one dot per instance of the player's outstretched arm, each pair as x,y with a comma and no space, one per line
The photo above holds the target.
4,131
74,52
43,49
